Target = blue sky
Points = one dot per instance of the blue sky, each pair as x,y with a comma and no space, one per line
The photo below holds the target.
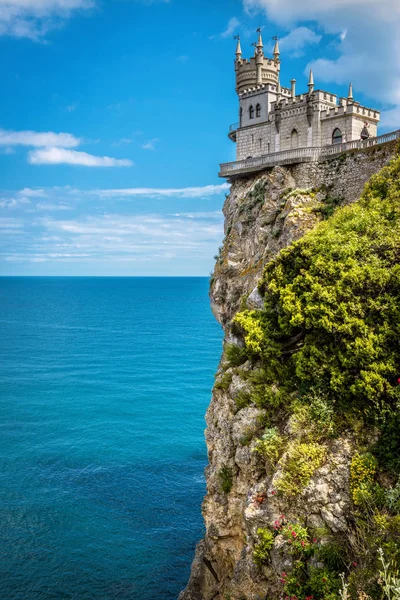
114,116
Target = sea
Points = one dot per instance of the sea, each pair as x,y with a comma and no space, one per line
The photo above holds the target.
104,384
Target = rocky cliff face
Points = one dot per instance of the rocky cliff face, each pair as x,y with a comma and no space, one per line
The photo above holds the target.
264,214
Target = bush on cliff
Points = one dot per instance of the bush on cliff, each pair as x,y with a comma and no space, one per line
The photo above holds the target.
331,321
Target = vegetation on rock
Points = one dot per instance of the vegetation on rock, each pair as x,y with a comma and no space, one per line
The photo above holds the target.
326,355
225,477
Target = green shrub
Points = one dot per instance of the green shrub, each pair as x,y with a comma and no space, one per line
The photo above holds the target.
235,355
323,584
242,399
297,537
393,498
223,382
362,475
332,306
328,206
225,479
267,396
299,464
314,418
387,448
247,436
270,445
261,554
333,556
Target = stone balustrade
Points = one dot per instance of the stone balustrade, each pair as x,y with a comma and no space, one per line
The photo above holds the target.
238,168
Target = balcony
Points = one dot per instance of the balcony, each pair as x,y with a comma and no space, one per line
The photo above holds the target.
235,170
232,131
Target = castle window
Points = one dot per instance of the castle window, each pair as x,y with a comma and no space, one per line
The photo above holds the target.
240,115
251,112
294,139
260,141
337,136
258,110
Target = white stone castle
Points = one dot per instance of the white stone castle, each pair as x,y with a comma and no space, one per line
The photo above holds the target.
277,125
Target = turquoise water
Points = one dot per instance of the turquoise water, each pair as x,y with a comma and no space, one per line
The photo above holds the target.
104,385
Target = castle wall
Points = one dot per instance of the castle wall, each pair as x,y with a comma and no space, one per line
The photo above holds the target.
264,99
258,136
248,141
293,118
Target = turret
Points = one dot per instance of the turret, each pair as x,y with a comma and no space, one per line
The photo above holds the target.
350,94
293,84
276,50
238,49
259,44
259,56
258,70
311,82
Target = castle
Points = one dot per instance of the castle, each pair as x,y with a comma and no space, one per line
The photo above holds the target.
274,119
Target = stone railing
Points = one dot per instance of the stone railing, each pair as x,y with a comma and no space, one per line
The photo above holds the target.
300,155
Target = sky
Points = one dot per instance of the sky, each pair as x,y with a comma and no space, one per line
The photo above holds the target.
114,117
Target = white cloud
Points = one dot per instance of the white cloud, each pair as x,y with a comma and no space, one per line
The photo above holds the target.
34,18
231,28
8,224
37,139
13,202
151,144
125,237
186,192
33,193
391,118
368,44
123,142
297,39
52,206
58,156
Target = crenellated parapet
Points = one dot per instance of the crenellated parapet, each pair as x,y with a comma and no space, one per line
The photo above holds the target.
258,70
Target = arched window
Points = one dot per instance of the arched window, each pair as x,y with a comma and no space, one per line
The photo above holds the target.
294,139
337,136
258,110
251,112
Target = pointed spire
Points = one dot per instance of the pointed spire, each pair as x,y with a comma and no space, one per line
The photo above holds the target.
276,49
259,42
311,82
238,49
350,95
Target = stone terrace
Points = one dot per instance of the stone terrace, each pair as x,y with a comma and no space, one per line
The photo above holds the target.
234,170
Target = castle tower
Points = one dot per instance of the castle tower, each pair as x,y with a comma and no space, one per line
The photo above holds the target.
258,70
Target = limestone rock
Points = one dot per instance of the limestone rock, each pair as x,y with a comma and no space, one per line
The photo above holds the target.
264,214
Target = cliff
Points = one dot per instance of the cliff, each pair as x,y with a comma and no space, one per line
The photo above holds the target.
283,513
